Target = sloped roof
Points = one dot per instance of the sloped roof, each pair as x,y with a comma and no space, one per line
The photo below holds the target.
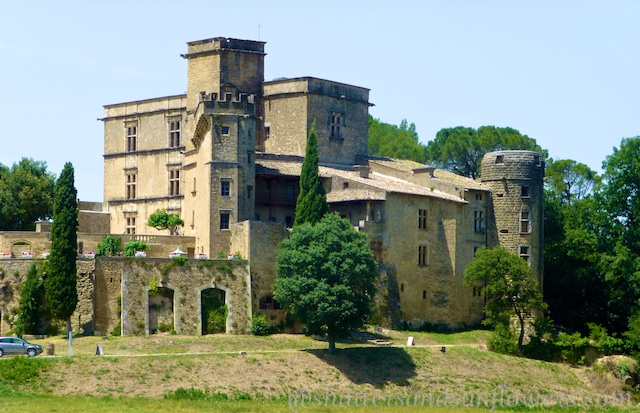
407,165
379,184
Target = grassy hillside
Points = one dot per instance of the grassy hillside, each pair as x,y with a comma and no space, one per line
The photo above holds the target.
274,367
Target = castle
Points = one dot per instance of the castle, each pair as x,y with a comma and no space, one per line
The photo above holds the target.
227,155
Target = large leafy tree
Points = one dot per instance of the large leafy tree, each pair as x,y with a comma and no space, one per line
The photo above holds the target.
163,220
60,282
569,180
460,149
325,277
311,205
26,194
395,141
509,288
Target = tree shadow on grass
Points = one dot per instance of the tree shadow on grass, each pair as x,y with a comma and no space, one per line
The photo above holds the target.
377,366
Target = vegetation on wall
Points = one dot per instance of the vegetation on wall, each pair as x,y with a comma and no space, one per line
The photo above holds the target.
214,311
131,247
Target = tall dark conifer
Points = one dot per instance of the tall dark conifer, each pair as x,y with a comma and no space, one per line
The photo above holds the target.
60,281
312,200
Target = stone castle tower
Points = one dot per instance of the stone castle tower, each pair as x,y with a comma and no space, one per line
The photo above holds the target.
224,124
515,178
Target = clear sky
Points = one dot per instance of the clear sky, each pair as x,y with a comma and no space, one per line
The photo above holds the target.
566,73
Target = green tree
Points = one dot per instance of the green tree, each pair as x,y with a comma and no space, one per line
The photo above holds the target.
31,308
395,141
569,180
132,246
60,282
162,220
311,205
509,288
460,149
325,277
26,194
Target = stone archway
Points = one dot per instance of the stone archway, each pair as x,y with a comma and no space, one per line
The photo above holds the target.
20,247
214,311
161,310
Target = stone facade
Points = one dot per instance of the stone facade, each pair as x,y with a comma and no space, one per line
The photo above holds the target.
227,157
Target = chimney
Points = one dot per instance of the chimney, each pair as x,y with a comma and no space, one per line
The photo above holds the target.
363,170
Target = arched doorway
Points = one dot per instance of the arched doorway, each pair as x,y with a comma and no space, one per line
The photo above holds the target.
214,311
161,315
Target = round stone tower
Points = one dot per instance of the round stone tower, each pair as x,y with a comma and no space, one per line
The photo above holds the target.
515,218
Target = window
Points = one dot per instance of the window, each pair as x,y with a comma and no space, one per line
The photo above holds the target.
524,252
499,159
477,291
524,191
335,130
422,218
525,224
422,255
478,197
268,303
132,137
224,220
249,191
345,185
290,192
174,182
225,130
249,157
225,188
267,132
376,248
424,294
288,221
132,178
174,134
401,288
478,221
131,225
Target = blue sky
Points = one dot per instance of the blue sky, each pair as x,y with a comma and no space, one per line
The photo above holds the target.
565,73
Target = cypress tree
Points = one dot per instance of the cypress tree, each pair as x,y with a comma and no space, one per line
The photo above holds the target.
31,299
311,205
60,282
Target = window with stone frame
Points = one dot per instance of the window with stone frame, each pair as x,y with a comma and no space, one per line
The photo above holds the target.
131,183
130,227
174,133
524,253
422,255
525,191
422,218
224,220
525,222
174,182
225,187
336,124
479,221
132,137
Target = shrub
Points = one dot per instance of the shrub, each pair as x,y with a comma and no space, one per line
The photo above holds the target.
165,327
260,326
110,246
133,246
117,330
573,348
502,340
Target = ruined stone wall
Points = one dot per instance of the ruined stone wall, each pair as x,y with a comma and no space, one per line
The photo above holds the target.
107,292
13,274
187,283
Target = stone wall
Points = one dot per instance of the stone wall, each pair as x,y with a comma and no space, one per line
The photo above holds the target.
187,283
13,274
